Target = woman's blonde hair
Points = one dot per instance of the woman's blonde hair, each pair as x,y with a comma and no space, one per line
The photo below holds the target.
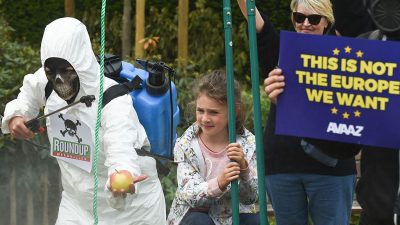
322,7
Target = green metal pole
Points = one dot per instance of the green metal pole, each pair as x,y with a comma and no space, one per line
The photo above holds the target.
231,101
255,83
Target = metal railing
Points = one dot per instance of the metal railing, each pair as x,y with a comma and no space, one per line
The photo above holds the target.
227,14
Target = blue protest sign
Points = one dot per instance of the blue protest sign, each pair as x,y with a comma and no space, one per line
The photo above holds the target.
340,89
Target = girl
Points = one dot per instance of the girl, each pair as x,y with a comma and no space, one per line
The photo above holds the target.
207,162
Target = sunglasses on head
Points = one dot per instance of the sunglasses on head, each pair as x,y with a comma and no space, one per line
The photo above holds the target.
313,19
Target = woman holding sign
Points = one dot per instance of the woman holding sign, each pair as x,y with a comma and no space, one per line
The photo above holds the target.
304,177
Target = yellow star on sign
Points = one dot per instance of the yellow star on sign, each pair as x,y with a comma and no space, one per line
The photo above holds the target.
336,51
347,49
357,113
334,110
359,54
346,115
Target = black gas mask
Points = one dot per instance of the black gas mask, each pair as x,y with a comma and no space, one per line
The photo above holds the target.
386,16
63,78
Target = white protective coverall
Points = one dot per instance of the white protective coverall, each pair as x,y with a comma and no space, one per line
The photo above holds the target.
120,134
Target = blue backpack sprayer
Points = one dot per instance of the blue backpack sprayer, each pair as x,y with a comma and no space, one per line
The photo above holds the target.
154,99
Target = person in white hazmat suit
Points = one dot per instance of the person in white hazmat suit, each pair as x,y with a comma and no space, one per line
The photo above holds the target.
70,66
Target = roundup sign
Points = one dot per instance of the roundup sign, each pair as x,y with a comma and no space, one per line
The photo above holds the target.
340,89
71,141
71,150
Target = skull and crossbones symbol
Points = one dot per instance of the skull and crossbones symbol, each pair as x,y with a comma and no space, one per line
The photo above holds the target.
70,128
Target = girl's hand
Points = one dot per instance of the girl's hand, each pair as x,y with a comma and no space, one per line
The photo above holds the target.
230,173
274,84
235,153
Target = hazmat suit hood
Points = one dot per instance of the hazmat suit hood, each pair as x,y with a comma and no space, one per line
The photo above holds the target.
67,38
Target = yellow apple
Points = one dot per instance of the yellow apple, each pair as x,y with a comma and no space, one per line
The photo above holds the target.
121,181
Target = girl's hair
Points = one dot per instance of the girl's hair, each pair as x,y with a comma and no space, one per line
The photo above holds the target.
214,86
322,7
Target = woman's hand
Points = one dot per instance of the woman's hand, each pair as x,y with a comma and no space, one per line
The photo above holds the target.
274,84
18,129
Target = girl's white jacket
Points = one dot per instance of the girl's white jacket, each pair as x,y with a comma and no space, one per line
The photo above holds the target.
120,134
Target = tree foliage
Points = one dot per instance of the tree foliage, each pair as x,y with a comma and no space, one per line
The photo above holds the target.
206,48
28,18
19,158
17,59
